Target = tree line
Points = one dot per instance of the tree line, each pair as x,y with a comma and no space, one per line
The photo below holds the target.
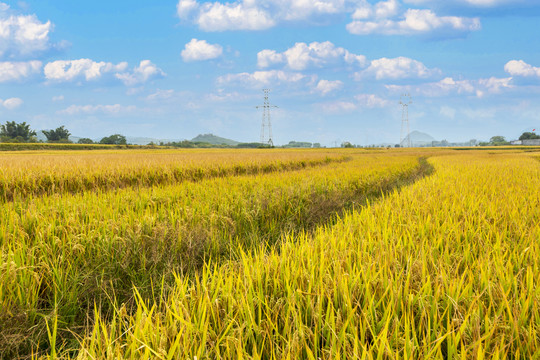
13,132
500,140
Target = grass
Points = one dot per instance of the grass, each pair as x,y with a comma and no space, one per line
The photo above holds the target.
74,252
444,269
365,258
28,174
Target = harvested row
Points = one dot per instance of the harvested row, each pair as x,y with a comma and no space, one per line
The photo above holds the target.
445,269
63,255
24,174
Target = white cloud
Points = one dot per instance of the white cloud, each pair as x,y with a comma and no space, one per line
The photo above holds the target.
385,18
185,8
495,85
11,103
267,58
397,68
303,56
89,70
328,86
230,16
447,86
146,71
15,71
256,14
371,101
386,9
58,98
198,50
70,70
22,35
521,68
263,78
94,109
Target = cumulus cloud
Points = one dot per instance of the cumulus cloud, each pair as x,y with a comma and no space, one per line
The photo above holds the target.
230,16
328,86
22,35
387,18
303,56
521,68
185,8
384,17
397,68
16,71
380,10
447,86
11,103
198,50
267,58
255,14
146,71
371,101
89,70
263,78
94,109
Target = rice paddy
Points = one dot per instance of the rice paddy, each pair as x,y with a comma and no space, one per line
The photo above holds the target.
270,254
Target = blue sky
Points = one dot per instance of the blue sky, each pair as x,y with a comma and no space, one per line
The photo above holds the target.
336,68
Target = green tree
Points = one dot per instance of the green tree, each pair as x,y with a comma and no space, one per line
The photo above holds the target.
61,134
498,140
298,144
85,141
17,132
529,136
115,139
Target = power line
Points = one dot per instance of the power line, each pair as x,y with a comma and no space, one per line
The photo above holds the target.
266,120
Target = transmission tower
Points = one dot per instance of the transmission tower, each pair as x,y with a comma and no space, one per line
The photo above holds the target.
405,101
266,121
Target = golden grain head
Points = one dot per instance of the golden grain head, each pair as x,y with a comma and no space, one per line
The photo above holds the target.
270,254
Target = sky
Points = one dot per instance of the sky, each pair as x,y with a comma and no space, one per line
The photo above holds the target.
336,68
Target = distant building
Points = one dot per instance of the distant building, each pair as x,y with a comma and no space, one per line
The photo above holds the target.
530,142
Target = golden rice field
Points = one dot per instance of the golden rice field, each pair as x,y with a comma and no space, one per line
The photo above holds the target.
270,254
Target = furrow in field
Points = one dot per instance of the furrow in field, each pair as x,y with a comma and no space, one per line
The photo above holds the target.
447,268
64,254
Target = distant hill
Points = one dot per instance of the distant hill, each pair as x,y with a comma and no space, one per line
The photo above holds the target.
418,139
214,140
